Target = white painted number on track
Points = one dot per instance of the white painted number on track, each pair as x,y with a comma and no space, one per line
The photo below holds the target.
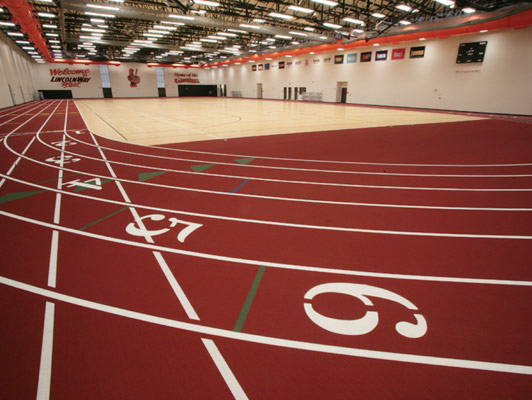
96,185
133,229
66,160
370,320
66,142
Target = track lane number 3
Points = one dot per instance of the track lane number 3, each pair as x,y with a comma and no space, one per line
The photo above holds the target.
370,320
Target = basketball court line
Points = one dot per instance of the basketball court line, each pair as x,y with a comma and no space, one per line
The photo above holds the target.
318,161
245,261
272,341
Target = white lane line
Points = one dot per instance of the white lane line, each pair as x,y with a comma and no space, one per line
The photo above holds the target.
330,171
54,246
15,164
245,261
45,369
180,294
316,161
225,370
272,341
263,197
178,291
316,183
29,109
275,223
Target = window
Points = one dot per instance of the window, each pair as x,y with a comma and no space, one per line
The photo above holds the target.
104,75
160,77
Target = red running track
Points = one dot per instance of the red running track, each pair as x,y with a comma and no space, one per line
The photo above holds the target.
371,263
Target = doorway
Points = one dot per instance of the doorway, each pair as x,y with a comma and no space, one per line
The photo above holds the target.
259,90
341,92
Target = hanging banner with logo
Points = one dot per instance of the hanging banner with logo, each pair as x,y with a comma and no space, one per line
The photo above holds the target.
186,78
417,52
352,58
365,56
398,54
381,55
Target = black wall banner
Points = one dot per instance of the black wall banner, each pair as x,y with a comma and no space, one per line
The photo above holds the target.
417,52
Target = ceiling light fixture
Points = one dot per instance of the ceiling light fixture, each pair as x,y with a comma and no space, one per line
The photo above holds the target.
207,3
403,7
102,7
99,14
326,2
281,16
333,26
354,21
301,9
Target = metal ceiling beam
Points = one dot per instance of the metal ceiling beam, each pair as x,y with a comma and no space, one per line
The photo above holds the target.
155,15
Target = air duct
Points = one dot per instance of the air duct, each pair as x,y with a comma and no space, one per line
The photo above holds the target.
22,13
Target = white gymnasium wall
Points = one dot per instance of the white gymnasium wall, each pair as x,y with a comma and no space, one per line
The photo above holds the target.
501,84
17,81
59,76
48,74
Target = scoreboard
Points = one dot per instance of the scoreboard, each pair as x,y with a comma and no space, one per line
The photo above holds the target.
472,52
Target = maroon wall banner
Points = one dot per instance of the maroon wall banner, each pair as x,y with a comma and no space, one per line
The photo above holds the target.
70,78
398,54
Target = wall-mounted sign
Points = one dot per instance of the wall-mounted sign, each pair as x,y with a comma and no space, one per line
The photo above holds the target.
381,55
267,66
253,67
472,52
398,54
261,67
70,78
186,78
316,61
365,56
327,60
417,52
281,64
352,58
339,59
133,78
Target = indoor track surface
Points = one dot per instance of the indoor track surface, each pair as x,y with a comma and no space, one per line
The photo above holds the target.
374,263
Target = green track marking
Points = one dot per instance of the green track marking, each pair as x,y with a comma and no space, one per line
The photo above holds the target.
103,218
81,188
55,179
144,176
247,305
244,161
18,195
201,167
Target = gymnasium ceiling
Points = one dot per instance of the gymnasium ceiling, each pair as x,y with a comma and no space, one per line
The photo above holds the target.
201,31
